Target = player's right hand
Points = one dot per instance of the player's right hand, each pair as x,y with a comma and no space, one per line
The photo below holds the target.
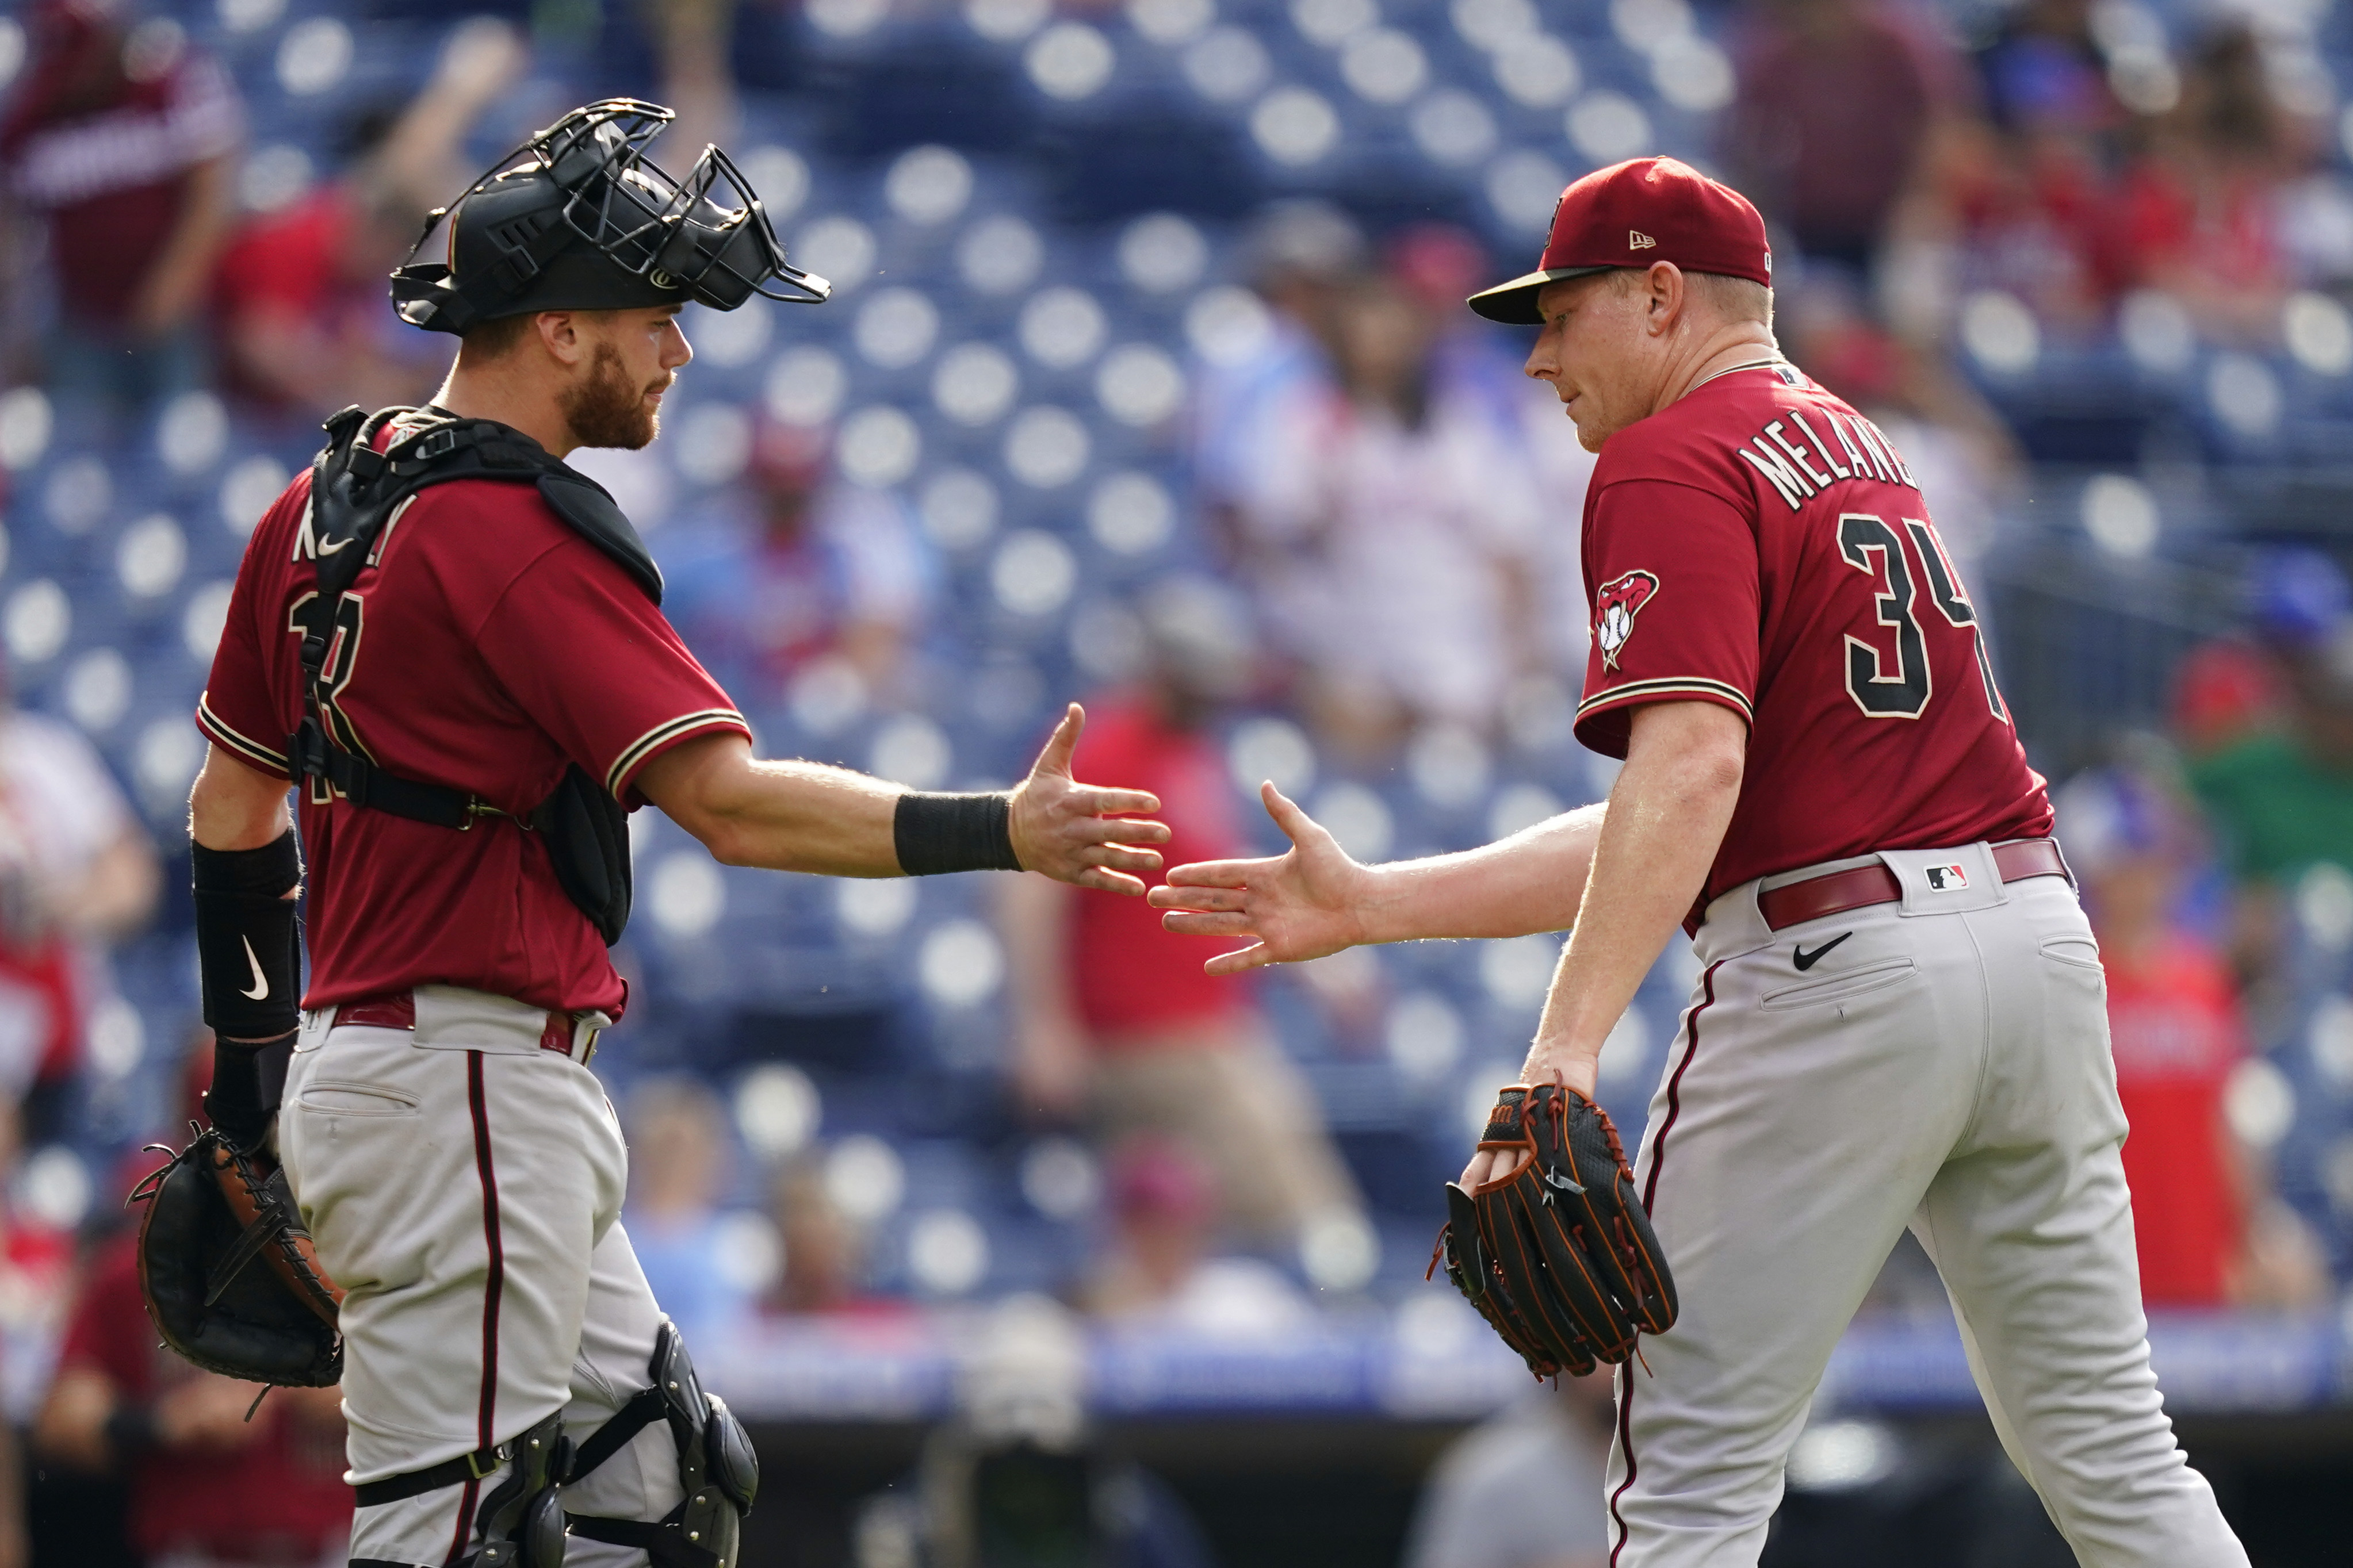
1081,833
1299,905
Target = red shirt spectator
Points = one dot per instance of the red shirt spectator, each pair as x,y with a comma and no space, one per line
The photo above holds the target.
1114,1022
108,137
278,1497
300,301
1128,975
1836,102
2177,1031
2216,230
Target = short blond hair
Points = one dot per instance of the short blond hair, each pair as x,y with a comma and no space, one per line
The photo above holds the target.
1734,298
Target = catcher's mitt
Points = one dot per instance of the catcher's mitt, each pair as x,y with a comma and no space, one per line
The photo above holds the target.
1558,1257
228,1272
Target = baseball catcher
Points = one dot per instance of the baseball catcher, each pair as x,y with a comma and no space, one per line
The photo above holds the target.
450,645
1556,1254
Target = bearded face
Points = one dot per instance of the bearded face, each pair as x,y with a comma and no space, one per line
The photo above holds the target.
608,408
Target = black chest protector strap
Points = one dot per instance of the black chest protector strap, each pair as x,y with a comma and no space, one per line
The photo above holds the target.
355,492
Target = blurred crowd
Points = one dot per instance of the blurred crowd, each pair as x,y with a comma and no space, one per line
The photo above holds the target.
1375,562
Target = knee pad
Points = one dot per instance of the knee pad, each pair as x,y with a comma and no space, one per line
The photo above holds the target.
522,1522
717,1468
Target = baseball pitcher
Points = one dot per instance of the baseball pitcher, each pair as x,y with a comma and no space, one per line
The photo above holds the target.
1900,1020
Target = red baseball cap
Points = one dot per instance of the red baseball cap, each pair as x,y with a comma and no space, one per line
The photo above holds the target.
1630,214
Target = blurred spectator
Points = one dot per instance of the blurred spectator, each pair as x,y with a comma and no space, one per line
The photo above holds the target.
2277,785
2281,799
2208,1229
2223,691
209,1489
1113,1017
77,872
1161,1272
1300,256
2201,212
2233,689
2026,197
1837,102
1395,541
678,1168
795,568
825,1254
302,319
691,38
1475,364
1522,1489
120,142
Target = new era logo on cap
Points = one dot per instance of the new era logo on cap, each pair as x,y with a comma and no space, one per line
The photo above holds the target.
1667,210
1945,879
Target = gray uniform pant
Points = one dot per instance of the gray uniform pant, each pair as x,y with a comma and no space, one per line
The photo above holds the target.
1944,1068
464,1188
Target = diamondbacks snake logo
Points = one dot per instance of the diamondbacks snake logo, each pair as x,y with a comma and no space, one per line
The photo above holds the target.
1615,604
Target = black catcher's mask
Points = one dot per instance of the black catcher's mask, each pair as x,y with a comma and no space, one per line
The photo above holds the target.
579,219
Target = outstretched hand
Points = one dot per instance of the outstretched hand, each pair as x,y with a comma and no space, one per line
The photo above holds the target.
1077,833
1303,904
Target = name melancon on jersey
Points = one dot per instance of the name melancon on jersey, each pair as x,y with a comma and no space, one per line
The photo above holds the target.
1790,453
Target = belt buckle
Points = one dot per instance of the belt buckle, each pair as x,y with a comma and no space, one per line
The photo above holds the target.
588,1047
499,1455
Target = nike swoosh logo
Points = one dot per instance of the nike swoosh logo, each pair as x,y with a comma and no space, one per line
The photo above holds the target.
260,990
335,549
1805,960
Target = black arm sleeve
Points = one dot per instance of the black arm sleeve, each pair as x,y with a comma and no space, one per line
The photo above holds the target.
248,947
249,955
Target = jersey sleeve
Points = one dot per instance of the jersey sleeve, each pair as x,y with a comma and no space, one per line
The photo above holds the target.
582,651
237,712
1670,575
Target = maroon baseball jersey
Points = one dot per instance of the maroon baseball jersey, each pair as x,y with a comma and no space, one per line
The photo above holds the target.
484,647
1761,545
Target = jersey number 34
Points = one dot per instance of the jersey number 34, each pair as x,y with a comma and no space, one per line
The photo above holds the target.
1872,547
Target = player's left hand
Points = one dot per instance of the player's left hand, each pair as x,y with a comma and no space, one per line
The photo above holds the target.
1494,1164
1077,833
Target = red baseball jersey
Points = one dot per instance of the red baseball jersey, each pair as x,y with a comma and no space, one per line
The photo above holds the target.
1760,544
484,647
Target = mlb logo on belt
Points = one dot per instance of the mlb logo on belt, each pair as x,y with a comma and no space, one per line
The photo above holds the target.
1945,879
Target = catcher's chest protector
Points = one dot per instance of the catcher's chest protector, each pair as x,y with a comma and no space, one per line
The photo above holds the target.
355,492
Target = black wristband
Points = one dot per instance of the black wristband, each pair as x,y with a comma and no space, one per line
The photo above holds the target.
247,1083
939,833
249,950
130,1431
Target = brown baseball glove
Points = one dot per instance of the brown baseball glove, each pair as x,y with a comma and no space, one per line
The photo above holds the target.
1558,1257
228,1272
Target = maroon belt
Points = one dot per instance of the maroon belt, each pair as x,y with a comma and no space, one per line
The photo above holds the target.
1836,893
397,1010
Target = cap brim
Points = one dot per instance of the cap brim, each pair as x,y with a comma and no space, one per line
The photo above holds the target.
1514,303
